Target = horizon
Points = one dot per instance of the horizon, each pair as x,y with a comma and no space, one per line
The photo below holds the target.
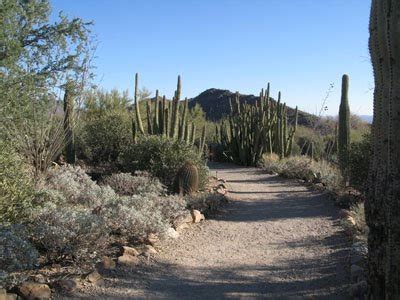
235,46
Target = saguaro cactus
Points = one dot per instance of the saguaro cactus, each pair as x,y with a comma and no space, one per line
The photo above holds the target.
344,126
382,205
69,124
137,108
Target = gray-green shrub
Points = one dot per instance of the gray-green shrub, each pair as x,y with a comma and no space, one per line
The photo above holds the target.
16,187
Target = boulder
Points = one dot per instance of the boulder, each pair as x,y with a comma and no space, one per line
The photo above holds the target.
128,260
33,290
172,233
66,285
107,263
149,250
94,277
129,251
152,239
183,221
197,216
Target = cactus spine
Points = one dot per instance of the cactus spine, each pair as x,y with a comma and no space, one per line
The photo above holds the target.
137,108
344,126
69,124
382,206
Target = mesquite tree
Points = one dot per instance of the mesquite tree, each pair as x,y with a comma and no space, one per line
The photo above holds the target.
383,196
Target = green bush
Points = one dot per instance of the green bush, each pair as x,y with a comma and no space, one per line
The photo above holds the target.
102,137
16,187
359,160
162,158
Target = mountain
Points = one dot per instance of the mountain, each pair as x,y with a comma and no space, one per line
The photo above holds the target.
366,118
215,103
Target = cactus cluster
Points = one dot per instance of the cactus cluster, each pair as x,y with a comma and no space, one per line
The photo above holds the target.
344,127
252,130
167,118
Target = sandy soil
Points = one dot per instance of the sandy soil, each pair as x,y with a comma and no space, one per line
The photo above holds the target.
276,239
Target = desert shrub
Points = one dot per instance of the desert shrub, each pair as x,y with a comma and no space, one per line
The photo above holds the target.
125,184
16,188
162,158
302,167
309,142
359,160
77,187
138,216
16,252
101,138
204,202
67,232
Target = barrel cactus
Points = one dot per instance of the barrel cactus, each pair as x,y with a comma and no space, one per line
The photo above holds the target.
188,179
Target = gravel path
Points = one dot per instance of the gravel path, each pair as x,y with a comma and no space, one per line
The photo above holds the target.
276,239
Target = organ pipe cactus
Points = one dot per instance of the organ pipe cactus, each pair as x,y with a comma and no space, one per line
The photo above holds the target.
257,129
344,126
382,206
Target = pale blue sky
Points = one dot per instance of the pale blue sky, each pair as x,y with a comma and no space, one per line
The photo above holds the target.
299,46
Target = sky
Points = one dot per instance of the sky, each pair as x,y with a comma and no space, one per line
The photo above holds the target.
300,46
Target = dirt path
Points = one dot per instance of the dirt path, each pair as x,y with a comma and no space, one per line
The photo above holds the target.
277,239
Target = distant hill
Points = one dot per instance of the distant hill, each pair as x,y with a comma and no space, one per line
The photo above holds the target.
215,103
366,118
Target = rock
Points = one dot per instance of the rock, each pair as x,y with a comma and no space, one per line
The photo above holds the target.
129,251
221,191
94,277
351,220
33,290
107,263
197,216
182,221
149,250
172,233
152,239
128,260
66,285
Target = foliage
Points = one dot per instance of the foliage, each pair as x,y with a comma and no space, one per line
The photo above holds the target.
76,187
16,252
162,158
68,232
302,167
16,187
359,162
101,138
124,184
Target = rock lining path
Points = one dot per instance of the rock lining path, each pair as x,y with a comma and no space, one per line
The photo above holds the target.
276,239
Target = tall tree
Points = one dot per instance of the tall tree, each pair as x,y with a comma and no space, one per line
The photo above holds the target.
383,196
